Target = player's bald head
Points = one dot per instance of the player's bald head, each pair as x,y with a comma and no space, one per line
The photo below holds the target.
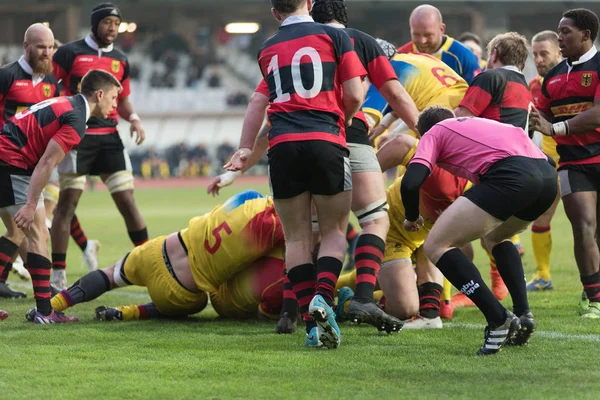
38,32
425,13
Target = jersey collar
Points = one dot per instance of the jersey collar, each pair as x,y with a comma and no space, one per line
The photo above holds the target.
89,40
512,68
297,19
87,108
35,78
586,57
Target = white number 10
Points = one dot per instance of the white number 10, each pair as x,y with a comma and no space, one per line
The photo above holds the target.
296,75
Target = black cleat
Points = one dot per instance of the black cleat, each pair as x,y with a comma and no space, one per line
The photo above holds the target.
285,324
7,293
371,314
525,331
30,314
104,313
496,337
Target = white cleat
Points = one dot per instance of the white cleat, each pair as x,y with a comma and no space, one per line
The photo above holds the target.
19,269
419,322
90,255
59,279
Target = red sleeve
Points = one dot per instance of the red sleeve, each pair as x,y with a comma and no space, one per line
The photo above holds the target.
126,89
263,88
481,93
67,137
350,67
59,72
62,62
380,71
406,48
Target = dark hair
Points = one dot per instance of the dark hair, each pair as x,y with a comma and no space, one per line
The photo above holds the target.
469,36
431,116
97,79
512,48
324,11
286,6
584,19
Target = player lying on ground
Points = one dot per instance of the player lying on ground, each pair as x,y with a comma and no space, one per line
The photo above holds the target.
237,244
514,183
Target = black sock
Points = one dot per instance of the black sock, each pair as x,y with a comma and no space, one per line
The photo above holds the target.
89,287
39,268
510,268
303,278
465,276
59,261
138,237
328,272
8,250
4,274
591,286
289,304
367,258
429,299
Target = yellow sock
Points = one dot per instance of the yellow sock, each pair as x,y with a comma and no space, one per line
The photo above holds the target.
541,240
377,295
129,312
348,279
59,303
516,240
446,291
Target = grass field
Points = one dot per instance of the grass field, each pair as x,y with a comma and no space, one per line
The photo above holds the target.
204,358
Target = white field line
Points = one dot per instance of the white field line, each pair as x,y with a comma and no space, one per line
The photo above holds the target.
546,334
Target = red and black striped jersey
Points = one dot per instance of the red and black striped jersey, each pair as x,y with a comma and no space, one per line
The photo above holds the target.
25,136
535,87
73,60
18,91
567,91
501,95
379,70
304,65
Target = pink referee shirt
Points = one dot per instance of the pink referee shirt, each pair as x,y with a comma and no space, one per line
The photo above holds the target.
468,147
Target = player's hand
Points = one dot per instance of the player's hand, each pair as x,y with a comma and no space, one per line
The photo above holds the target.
538,123
375,133
24,217
214,186
238,160
137,129
221,181
413,226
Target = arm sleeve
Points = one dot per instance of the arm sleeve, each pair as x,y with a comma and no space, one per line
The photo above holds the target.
481,93
428,150
5,82
125,82
543,103
263,88
349,65
411,183
71,131
378,66
62,62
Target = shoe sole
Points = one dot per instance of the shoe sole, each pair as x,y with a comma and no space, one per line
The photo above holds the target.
512,331
329,337
379,322
522,336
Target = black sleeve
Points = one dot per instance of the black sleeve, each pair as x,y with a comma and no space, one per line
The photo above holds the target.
63,59
6,81
412,180
126,72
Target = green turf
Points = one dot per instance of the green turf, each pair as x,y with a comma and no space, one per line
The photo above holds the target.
206,358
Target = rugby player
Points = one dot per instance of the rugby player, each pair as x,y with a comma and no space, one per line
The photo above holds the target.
427,36
514,183
101,151
32,143
546,54
308,156
571,101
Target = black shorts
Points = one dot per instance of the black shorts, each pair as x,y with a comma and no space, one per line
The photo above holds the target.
357,132
516,186
95,155
313,166
579,178
14,185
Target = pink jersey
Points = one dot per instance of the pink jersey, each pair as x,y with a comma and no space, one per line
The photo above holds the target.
468,147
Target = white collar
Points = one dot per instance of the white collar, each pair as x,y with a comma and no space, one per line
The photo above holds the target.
89,40
297,19
87,108
337,25
512,68
36,78
586,57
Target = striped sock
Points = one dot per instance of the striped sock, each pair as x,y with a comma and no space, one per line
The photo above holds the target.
290,304
328,271
77,233
8,250
429,299
591,285
303,279
4,273
39,267
367,257
59,261
138,237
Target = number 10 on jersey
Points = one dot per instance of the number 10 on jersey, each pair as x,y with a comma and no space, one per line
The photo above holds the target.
296,75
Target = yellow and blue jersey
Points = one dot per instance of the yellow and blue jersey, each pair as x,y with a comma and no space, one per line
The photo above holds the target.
454,54
427,80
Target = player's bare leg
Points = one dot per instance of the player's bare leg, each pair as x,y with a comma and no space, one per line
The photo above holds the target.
120,185
60,233
582,210
397,280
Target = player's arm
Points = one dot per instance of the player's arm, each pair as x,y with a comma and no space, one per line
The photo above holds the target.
401,102
397,151
5,82
479,95
39,179
587,121
62,61
350,72
125,109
